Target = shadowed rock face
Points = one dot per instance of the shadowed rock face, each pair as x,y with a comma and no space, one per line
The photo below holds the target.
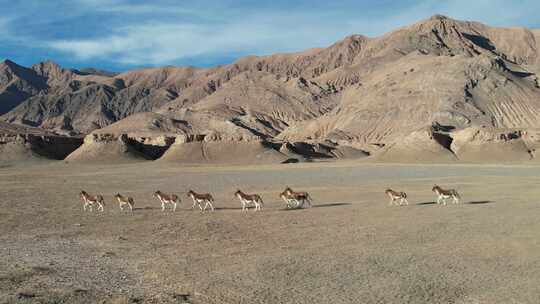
360,93
19,143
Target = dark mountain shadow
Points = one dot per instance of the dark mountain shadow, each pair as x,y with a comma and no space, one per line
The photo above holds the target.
480,41
521,74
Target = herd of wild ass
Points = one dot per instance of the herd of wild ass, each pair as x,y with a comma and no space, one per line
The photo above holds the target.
291,198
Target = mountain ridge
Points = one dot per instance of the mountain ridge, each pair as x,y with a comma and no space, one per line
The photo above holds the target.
359,92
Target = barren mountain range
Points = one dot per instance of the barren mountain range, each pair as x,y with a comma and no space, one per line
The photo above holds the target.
437,90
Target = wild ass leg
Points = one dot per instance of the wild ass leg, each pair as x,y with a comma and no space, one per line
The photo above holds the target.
205,205
300,203
291,203
455,197
294,203
308,199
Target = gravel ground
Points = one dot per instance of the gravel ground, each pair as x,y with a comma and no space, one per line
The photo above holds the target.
350,248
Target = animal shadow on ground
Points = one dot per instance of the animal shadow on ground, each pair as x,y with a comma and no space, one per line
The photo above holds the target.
318,206
480,202
331,205
145,208
224,208
469,203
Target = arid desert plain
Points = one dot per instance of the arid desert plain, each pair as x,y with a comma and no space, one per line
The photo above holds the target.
351,247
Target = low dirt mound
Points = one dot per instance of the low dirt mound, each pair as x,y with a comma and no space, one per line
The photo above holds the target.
305,151
490,145
28,147
420,146
347,152
106,148
20,143
17,150
146,124
226,152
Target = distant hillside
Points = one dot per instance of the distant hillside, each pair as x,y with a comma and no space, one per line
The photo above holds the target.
367,93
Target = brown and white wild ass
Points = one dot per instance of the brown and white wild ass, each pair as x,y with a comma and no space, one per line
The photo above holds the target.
90,200
443,195
199,198
396,197
299,197
122,201
247,199
167,199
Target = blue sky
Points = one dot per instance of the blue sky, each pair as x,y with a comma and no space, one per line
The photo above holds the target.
124,34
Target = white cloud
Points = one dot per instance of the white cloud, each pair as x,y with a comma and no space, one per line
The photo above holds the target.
122,6
155,41
161,43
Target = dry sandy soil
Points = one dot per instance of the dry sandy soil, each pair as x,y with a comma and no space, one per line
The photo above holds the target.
351,248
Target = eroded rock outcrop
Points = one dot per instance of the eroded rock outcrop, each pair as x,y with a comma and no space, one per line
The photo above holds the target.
424,145
491,145
217,148
22,144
